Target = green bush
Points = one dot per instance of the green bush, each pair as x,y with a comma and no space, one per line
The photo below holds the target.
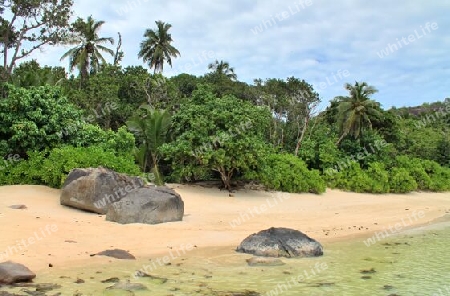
352,178
440,176
401,181
51,169
405,175
122,141
429,175
33,119
285,172
379,178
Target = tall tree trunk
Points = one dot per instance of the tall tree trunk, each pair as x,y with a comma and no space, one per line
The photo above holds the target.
302,136
340,139
226,177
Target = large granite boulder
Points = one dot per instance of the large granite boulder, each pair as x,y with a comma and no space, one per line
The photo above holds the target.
11,273
280,242
94,189
149,205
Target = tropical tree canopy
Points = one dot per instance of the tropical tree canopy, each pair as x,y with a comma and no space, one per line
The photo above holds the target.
86,55
157,48
27,26
355,112
222,68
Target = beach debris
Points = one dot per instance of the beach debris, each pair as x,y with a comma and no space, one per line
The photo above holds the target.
148,205
18,207
368,271
46,287
280,242
155,279
236,293
117,293
4,293
264,261
11,272
111,280
40,289
322,284
128,286
95,189
116,253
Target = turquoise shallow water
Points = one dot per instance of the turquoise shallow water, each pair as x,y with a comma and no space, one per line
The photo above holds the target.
415,262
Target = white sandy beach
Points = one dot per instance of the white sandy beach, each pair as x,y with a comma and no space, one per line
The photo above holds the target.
47,232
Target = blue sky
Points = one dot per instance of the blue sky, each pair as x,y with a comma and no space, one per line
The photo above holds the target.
313,40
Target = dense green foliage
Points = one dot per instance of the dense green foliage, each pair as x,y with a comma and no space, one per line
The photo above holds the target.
192,128
35,119
151,127
51,168
222,135
285,172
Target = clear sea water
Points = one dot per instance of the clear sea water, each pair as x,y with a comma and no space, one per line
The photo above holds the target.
415,262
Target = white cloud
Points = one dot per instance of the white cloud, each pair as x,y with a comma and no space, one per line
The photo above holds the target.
311,44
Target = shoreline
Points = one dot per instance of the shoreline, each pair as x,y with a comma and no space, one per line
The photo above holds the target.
212,220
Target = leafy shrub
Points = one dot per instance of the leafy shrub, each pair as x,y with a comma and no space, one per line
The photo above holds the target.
33,119
288,173
401,181
221,135
122,141
379,178
51,168
352,178
440,176
428,174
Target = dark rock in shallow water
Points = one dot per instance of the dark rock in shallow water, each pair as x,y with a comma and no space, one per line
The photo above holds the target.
11,273
155,279
116,293
127,286
264,261
111,280
117,253
47,287
281,242
148,205
244,293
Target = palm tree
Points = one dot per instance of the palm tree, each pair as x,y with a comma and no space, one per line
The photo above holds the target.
152,127
156,48
355,111
86,55
222,68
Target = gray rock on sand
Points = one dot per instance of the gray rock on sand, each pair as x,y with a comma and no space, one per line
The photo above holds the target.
281,242
116,253
94,189
149,205
11,272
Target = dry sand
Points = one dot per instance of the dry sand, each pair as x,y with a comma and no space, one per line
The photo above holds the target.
72,235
